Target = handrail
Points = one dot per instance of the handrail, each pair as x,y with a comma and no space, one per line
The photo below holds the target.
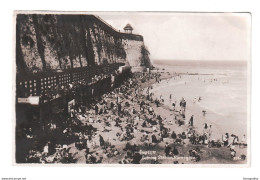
34,85
122,34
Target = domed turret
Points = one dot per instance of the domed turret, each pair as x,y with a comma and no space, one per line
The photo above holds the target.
128,29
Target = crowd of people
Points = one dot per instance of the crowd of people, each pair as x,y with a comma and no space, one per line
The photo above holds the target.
121,122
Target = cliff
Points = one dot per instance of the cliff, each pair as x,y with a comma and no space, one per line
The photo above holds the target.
48,42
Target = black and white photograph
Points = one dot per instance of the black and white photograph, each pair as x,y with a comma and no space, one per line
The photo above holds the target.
132,88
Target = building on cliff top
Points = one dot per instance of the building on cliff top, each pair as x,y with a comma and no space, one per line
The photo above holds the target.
128,29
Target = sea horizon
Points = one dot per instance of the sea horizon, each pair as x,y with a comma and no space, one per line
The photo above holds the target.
210,63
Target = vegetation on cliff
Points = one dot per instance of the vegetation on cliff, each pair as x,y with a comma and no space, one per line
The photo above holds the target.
145,60
52,42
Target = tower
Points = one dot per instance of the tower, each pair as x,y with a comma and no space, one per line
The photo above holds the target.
128,29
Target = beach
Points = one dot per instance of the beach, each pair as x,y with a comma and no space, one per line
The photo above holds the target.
223,90
136,122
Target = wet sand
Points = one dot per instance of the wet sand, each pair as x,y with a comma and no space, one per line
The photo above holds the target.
225,115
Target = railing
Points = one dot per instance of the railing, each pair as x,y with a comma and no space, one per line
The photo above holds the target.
35,85
123,35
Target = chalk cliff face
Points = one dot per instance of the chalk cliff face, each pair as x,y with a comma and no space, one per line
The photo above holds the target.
133,49
52,42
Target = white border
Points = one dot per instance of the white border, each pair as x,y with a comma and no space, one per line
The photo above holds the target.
198,165
6,168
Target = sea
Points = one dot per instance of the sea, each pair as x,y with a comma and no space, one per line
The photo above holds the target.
224,87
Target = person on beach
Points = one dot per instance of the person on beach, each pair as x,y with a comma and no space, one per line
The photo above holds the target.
233,154
175,151
167,149
151,97
173,106
119,108
136,92
161,99
96,109
173,135
183,105
157,102
194,100
118,100
235,139
209,132
225,139
204,112
191,121
112,105
205,125
243,141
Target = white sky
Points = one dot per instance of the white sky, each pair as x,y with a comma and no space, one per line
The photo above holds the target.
189,36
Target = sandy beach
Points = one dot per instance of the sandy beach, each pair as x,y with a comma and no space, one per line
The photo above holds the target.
136,123
223,93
